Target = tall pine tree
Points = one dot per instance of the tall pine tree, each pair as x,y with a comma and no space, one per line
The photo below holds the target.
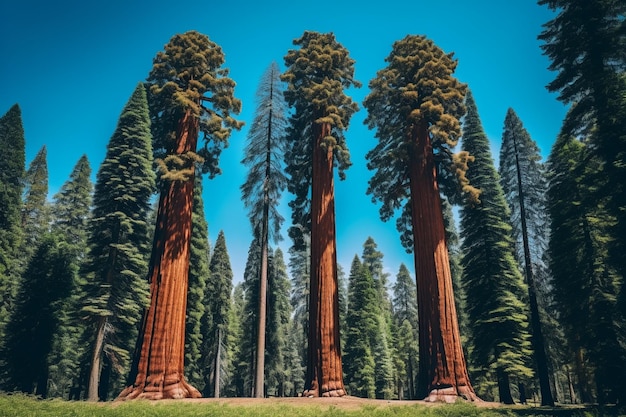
494,288
35,210
524,185
12,165
263,187
215,322
70,212
363,327
116,291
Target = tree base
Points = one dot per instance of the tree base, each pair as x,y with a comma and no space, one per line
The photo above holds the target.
177,390
451,395
311,393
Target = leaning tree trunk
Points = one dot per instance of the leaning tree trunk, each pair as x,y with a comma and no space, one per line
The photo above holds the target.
324,377
442,369
159,368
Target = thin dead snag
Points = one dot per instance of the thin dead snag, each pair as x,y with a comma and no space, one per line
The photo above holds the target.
443,372
158,370
324,373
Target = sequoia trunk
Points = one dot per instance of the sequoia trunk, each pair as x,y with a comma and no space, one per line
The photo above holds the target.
158,372
324,374
442,368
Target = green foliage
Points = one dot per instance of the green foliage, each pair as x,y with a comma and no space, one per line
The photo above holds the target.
277,373
317,75
363,324
46,286
198,277
117,290
406,330
215,325
266,145
12,161
70,213
35,210
586,287
187,76
382,345
415,89
493,286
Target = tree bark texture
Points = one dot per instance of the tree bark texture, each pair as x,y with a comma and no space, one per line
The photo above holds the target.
159,369
324,376
442,369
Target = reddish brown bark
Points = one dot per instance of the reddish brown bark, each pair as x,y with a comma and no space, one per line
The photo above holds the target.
443,372
324,373
159,368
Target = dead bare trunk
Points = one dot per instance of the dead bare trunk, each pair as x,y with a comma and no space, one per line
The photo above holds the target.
442,369
159,372
94,373
324,373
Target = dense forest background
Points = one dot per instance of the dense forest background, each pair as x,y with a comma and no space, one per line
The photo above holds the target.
538,264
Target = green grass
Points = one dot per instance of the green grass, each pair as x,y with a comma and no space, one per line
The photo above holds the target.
25,406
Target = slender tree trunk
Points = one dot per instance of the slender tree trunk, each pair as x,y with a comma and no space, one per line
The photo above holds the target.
537,336
159,372
504,387
94,373
218,365
442,369
260,351
324,374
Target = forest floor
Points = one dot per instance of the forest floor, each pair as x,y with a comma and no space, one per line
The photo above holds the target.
344,403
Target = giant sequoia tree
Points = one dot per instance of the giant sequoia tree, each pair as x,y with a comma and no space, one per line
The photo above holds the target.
262,189
190,94
494,288
415,104
317,75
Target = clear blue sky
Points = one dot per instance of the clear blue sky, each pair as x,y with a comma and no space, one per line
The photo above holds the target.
72,65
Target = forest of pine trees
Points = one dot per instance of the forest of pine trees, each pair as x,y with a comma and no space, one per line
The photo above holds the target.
112,288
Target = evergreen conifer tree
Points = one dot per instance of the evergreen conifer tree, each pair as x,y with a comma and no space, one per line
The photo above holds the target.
35,210
405,323
585,285
263,187
116,291
198,277
12,164
524,185
70,212
317,75
363,328
190,94
415,104
384,369
494,288
236,339
277,330
44,290
215,322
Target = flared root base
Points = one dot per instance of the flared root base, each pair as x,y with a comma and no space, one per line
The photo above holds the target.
330,390
452,395
177,390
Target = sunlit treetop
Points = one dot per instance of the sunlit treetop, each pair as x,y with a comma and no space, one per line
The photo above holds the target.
317,75
188,76
416,89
